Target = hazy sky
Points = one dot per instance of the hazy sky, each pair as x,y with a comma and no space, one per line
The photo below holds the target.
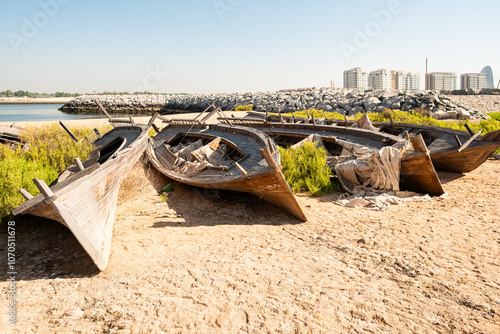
204,46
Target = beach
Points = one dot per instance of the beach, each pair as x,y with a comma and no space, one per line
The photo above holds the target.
223,262
43,100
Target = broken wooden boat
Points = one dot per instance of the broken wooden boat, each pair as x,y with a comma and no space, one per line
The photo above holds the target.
221,156
10,136
417,171
450,150
84,196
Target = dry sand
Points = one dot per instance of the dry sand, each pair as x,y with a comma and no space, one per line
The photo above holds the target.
206,262
41,100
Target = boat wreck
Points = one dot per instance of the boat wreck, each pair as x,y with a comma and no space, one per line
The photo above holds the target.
450,150
84,196
10,136
417,172
222,156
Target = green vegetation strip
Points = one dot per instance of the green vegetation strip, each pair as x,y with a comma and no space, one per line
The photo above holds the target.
305,169
50,151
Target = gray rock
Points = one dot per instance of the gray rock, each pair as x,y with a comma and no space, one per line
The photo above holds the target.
371,103
496,156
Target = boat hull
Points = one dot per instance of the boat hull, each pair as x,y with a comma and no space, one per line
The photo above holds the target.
86,201
262,180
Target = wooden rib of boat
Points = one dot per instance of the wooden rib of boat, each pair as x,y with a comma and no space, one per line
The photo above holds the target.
417,171
9,136
450,150
223,157
84,196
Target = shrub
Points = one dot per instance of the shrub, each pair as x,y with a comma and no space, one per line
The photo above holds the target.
244,108
305,169
316,114
51,150
495,115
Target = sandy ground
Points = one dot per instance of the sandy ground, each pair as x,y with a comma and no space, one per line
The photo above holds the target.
207,262
97,122
43,100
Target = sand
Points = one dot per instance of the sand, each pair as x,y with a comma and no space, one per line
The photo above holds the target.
42,100
219,262
223,262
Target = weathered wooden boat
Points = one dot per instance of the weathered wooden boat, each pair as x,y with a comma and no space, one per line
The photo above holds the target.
450,150
84,196
417,171
10,136
221,156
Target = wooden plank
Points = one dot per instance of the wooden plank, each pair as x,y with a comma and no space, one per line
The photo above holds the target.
104,110
458,141
469,130
418,143
68,131
26,194
471,139
79,164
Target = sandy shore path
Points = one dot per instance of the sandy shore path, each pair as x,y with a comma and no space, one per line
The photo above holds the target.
21,100
206,262
97,122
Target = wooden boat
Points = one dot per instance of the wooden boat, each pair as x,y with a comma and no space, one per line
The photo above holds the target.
224,157
84,196
417,171
9,136
450,150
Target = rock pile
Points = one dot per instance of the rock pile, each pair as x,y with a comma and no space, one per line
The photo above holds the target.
343,101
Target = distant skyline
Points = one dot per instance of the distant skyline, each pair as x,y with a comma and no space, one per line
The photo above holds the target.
210,46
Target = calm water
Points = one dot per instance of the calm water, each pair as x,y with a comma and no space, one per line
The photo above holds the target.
37,112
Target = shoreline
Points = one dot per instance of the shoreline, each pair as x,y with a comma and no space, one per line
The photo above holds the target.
42,100
97,122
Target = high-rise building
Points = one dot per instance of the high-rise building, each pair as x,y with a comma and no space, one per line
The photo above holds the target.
355,79
398,79
380,79
442,81
473,81
490,83
412,81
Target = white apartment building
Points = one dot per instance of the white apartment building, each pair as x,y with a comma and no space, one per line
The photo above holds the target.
380,79
441,81
398,79
412,81
355,79
473,81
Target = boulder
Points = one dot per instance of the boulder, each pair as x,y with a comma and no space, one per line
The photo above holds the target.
371,103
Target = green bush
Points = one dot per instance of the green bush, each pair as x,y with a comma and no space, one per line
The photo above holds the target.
316,114
244,108
495,115
50,151
305,169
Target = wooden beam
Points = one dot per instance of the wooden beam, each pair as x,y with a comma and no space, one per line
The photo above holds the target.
469,130
266,153
68,131
105,112
97,133
458,141
418,143
151,121
155,128
131,121
471,139
26,194
44,188
79,164
241,169
392,120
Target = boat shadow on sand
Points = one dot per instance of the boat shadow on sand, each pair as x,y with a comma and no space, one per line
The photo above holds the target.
45,249
211,207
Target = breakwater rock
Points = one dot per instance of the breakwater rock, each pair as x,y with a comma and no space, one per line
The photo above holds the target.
343,101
